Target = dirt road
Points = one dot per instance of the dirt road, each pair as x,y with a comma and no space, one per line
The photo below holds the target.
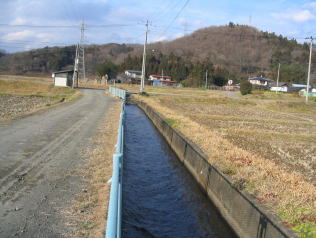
38,156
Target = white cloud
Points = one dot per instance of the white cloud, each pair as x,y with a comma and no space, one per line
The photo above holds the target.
161,38
302,16
18,21
310,5
19,35
299,16
177,35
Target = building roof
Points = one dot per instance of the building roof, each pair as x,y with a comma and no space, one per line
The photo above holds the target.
64,71
295,85
160,76
167,81
134,71
260,79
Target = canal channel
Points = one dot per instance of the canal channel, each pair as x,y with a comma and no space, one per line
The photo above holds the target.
160,197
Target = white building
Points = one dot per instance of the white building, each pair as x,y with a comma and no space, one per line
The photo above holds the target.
260,81
133,74
279,89
63,78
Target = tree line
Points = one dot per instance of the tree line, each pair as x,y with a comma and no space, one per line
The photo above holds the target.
182,71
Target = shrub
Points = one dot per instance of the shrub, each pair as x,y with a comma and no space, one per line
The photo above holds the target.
245,87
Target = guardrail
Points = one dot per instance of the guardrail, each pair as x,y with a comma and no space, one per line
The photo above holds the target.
114,220
118,92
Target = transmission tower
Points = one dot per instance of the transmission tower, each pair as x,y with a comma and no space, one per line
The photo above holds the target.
79,67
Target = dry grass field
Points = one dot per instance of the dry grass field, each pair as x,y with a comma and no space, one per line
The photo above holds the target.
41,80
266,142
20,96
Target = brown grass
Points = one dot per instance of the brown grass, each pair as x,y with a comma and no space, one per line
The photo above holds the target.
272,150
87,216
24,88
20,78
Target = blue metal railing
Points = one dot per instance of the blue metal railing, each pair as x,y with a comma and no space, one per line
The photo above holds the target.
118,92
114,220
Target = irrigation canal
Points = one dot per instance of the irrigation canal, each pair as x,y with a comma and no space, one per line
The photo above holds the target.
160,197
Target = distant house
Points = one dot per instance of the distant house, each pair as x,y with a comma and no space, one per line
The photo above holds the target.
133,74
63,78
260,81
159,80
284,87
311,93
297,87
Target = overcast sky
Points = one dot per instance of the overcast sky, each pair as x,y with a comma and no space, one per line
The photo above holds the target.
123,20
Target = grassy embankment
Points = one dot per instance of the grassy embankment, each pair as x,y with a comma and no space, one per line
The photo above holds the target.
31,86
23,95
266,142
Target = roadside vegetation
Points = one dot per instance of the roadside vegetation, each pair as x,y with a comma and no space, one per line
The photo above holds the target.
264,141
29,94
87,215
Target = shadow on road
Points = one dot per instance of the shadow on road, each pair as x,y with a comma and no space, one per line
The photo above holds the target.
90,88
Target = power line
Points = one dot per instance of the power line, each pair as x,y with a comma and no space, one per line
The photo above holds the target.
175,18
39,26
170,6
66,26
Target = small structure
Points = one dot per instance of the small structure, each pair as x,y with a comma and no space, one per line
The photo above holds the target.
284,87
295,87
311,93
63,78
159,80
260,81
133,74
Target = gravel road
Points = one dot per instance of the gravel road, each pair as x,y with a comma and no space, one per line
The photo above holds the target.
38,157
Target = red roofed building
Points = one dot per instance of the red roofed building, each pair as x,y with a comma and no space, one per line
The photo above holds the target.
159,80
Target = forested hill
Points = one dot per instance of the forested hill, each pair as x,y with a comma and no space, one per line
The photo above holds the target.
239,50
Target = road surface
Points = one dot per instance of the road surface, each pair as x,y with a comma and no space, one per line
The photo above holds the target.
38,156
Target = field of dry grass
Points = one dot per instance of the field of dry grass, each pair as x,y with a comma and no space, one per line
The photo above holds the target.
23,96
25,88
265,142
20,78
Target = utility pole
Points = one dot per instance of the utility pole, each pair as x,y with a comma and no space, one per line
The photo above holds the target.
142,82
79,66
278,78
81,52
309,67
206,78
75,74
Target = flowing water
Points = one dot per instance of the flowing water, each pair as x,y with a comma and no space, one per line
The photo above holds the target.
160,197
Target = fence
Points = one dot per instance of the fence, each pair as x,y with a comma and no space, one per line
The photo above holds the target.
118,92
114,219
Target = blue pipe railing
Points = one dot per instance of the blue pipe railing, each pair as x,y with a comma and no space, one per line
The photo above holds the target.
118,92
114,219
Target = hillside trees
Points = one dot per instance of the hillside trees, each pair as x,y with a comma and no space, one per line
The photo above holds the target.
242,50
108,68
182,70
2,52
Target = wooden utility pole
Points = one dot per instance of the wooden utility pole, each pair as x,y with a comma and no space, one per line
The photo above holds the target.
206,78
309,68
278,78
142,82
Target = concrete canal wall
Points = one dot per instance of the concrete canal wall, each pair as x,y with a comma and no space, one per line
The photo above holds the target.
245,215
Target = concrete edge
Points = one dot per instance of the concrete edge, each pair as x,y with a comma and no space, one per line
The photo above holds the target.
244,214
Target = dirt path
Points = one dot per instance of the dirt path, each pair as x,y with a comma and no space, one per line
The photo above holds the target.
38,156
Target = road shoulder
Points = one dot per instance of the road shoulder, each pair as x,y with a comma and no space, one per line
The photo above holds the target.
87,214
